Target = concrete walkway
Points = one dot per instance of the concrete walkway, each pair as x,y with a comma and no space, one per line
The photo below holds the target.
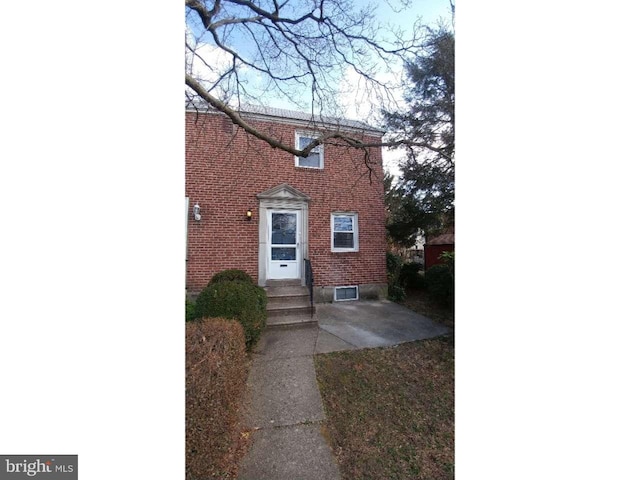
285,408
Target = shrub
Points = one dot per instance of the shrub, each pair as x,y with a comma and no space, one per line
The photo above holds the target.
393,263
190,310
440,284
410,277
230,275
449,260
396,293
215,379
236,299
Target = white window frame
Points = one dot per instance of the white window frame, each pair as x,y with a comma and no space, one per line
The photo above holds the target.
335,294
319,149
354,216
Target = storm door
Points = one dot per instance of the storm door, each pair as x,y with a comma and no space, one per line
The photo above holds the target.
284,244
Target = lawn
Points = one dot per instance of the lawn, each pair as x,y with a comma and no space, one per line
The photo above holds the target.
418,301
391,410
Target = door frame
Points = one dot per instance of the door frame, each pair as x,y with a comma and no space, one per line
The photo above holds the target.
282,197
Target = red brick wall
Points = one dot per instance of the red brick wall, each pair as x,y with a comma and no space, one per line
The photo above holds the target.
226,168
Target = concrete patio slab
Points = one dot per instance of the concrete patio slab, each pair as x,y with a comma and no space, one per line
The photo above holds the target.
283,392
376,323
296,452
327,342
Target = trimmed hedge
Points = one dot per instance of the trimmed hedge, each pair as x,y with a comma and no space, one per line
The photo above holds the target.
235,299
230,275
215,379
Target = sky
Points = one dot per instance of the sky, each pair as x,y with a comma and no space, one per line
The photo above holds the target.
355,103
430,12
394,14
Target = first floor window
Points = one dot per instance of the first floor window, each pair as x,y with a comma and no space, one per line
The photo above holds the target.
344,232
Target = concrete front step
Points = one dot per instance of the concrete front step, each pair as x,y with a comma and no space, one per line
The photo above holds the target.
287,291
288,301
288,311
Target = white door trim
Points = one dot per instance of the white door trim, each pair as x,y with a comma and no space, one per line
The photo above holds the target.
282,197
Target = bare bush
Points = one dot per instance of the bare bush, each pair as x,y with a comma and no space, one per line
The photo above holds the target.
216,373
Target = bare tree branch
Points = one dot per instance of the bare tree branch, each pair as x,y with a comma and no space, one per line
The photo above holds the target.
298,50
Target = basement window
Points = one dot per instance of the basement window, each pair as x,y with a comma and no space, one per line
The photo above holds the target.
342,294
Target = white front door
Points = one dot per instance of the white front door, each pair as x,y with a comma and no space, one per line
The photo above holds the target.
283,244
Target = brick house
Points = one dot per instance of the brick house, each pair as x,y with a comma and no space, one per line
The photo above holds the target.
265,211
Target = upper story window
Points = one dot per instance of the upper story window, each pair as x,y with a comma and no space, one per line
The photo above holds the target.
315,158
344,232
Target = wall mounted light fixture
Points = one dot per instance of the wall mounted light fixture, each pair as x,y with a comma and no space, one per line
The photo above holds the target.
249,214
196,212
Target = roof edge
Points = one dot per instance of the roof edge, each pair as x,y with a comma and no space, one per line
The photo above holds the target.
311,123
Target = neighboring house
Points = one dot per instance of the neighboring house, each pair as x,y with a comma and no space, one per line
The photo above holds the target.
415,253
265,211
444,242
